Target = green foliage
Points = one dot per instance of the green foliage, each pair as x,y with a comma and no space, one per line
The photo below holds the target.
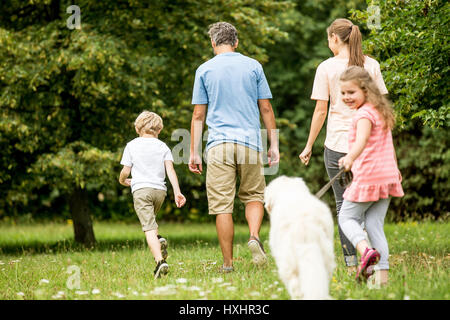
424,160
413,48
413,45
68,98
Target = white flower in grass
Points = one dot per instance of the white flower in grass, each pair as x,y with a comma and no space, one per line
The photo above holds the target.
118,295
81,293
58,295
255,294
406,298
20,294
95,291
181,280
42,281
225,284
231,288
166,290
217,280
1,263
194,288
274,296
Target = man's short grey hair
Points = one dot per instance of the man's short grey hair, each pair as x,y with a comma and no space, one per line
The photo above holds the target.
223,33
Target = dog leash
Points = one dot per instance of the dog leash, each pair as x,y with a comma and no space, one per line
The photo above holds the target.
328,185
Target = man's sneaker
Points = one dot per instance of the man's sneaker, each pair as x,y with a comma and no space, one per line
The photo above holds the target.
161,268
256,248
164,246
370,257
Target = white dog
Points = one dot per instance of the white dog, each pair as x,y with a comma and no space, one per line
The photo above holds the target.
300,238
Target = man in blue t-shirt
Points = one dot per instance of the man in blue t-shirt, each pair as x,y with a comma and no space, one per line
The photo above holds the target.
232,93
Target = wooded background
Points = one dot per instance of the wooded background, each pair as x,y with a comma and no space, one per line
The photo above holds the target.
68,98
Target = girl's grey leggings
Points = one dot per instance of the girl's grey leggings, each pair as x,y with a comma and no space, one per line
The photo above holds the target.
351,216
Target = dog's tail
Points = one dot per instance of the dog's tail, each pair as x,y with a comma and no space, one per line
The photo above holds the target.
313,272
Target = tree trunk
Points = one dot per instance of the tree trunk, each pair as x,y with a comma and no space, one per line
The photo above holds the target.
82,223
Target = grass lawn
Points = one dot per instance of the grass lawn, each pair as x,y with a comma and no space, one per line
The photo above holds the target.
36,260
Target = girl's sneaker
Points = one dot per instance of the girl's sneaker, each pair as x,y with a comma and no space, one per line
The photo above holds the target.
370,257
164,246
161,268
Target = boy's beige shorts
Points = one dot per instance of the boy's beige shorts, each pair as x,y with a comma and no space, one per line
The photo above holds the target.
147,202
226,162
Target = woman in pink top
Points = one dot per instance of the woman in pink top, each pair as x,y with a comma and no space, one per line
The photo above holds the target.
373,163
344,40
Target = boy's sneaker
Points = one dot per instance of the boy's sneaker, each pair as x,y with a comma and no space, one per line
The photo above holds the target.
164,246
161,268
370,257
256,248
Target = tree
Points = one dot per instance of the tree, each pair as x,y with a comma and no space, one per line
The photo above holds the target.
413,47
413,44
69,97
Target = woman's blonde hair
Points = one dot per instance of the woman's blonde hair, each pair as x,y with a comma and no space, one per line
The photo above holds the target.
364,81
349,34
148,122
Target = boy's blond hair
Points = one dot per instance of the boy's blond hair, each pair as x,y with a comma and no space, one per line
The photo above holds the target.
148,122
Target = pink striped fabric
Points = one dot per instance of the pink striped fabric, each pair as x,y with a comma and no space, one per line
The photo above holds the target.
375,172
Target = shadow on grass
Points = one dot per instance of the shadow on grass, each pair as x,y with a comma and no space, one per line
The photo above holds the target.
69,245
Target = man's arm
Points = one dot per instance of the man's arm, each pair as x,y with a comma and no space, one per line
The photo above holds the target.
268,117
198,120
123,178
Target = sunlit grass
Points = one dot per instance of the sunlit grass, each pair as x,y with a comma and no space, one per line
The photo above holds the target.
34,262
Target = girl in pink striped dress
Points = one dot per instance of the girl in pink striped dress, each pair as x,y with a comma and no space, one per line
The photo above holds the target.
373,163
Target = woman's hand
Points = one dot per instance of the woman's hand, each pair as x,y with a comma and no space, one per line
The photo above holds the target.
305,156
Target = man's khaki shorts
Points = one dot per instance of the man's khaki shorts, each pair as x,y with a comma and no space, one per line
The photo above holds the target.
147,202
226,162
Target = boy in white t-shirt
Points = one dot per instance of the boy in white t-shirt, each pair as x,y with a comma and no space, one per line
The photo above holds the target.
148,159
